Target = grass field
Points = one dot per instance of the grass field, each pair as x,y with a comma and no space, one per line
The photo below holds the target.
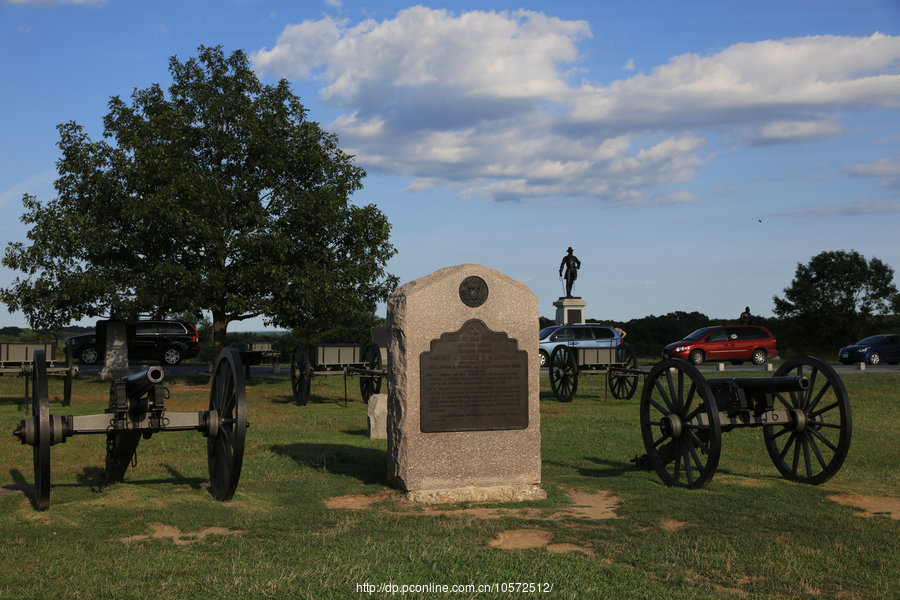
313,518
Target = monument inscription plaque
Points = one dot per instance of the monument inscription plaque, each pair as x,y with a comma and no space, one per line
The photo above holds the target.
473,379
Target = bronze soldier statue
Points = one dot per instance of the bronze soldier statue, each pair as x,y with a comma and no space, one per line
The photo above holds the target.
571,264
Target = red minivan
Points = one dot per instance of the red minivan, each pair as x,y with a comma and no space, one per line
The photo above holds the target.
735,343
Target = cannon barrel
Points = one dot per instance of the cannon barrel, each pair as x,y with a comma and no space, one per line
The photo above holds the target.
767,385
137,384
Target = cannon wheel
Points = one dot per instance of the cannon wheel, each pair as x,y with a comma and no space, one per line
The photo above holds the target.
370,384
70,375
623,385
225,449
40,413
563,373
813,444
680,424
301,374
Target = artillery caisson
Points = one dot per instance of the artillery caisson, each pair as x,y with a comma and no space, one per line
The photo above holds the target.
309,360
17,358
803,410
137,409
618,363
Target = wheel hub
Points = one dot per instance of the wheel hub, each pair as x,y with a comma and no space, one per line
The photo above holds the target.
671,425
798,417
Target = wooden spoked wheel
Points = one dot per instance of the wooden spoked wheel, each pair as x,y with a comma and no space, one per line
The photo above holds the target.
680,424
370,385
564,373
227,424
40,415
621,384
812,445
301,374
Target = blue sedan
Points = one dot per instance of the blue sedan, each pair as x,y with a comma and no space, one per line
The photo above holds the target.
874,350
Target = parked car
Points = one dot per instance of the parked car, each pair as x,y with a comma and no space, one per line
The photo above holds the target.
169,342
580,336
735,343
874,350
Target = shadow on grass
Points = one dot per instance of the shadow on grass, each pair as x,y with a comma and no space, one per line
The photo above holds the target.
606,468
366,464
19,485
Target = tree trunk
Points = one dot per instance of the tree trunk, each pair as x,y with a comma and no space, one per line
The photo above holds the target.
220,332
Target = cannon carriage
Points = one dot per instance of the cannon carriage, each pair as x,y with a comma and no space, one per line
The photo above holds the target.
618,363
803,410
311,360
137,410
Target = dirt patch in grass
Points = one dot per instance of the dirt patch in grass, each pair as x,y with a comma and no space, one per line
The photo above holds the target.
159,531
672,525
595,506
526,539
871,506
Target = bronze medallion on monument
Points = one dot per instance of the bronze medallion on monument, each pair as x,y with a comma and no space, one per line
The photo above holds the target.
473,379
473,291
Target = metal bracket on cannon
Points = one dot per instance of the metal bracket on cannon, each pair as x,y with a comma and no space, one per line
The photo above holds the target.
137,409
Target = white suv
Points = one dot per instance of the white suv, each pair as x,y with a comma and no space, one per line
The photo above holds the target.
578,336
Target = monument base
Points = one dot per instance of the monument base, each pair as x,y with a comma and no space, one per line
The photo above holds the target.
570,311
494,493
111,338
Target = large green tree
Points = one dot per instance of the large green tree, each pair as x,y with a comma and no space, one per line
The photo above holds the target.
219,196
834,298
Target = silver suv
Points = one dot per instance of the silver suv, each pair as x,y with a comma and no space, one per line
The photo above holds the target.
578,336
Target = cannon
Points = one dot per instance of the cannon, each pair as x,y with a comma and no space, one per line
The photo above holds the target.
137,410
309,360
618,363
803,410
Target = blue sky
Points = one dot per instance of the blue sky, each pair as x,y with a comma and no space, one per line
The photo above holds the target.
692,153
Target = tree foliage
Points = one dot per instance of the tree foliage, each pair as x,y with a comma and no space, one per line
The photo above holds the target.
219,196
837,296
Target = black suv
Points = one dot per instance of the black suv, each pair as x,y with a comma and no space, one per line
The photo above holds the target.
166,341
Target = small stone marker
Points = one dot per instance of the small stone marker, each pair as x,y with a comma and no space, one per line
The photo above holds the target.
111,338
376,420
463,420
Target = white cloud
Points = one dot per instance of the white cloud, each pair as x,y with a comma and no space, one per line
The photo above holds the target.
887,169
482,102
844,210
780,132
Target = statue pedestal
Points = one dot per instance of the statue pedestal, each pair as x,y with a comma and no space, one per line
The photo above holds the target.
570,311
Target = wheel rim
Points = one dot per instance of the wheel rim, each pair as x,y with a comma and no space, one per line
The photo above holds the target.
40,412
696,357
812,446
370,385
874,358
544,358
172,357
623,385
759,357
300,375
89,356
563,373
227,404
680,424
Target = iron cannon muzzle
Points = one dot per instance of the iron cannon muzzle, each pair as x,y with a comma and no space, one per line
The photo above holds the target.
137,384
